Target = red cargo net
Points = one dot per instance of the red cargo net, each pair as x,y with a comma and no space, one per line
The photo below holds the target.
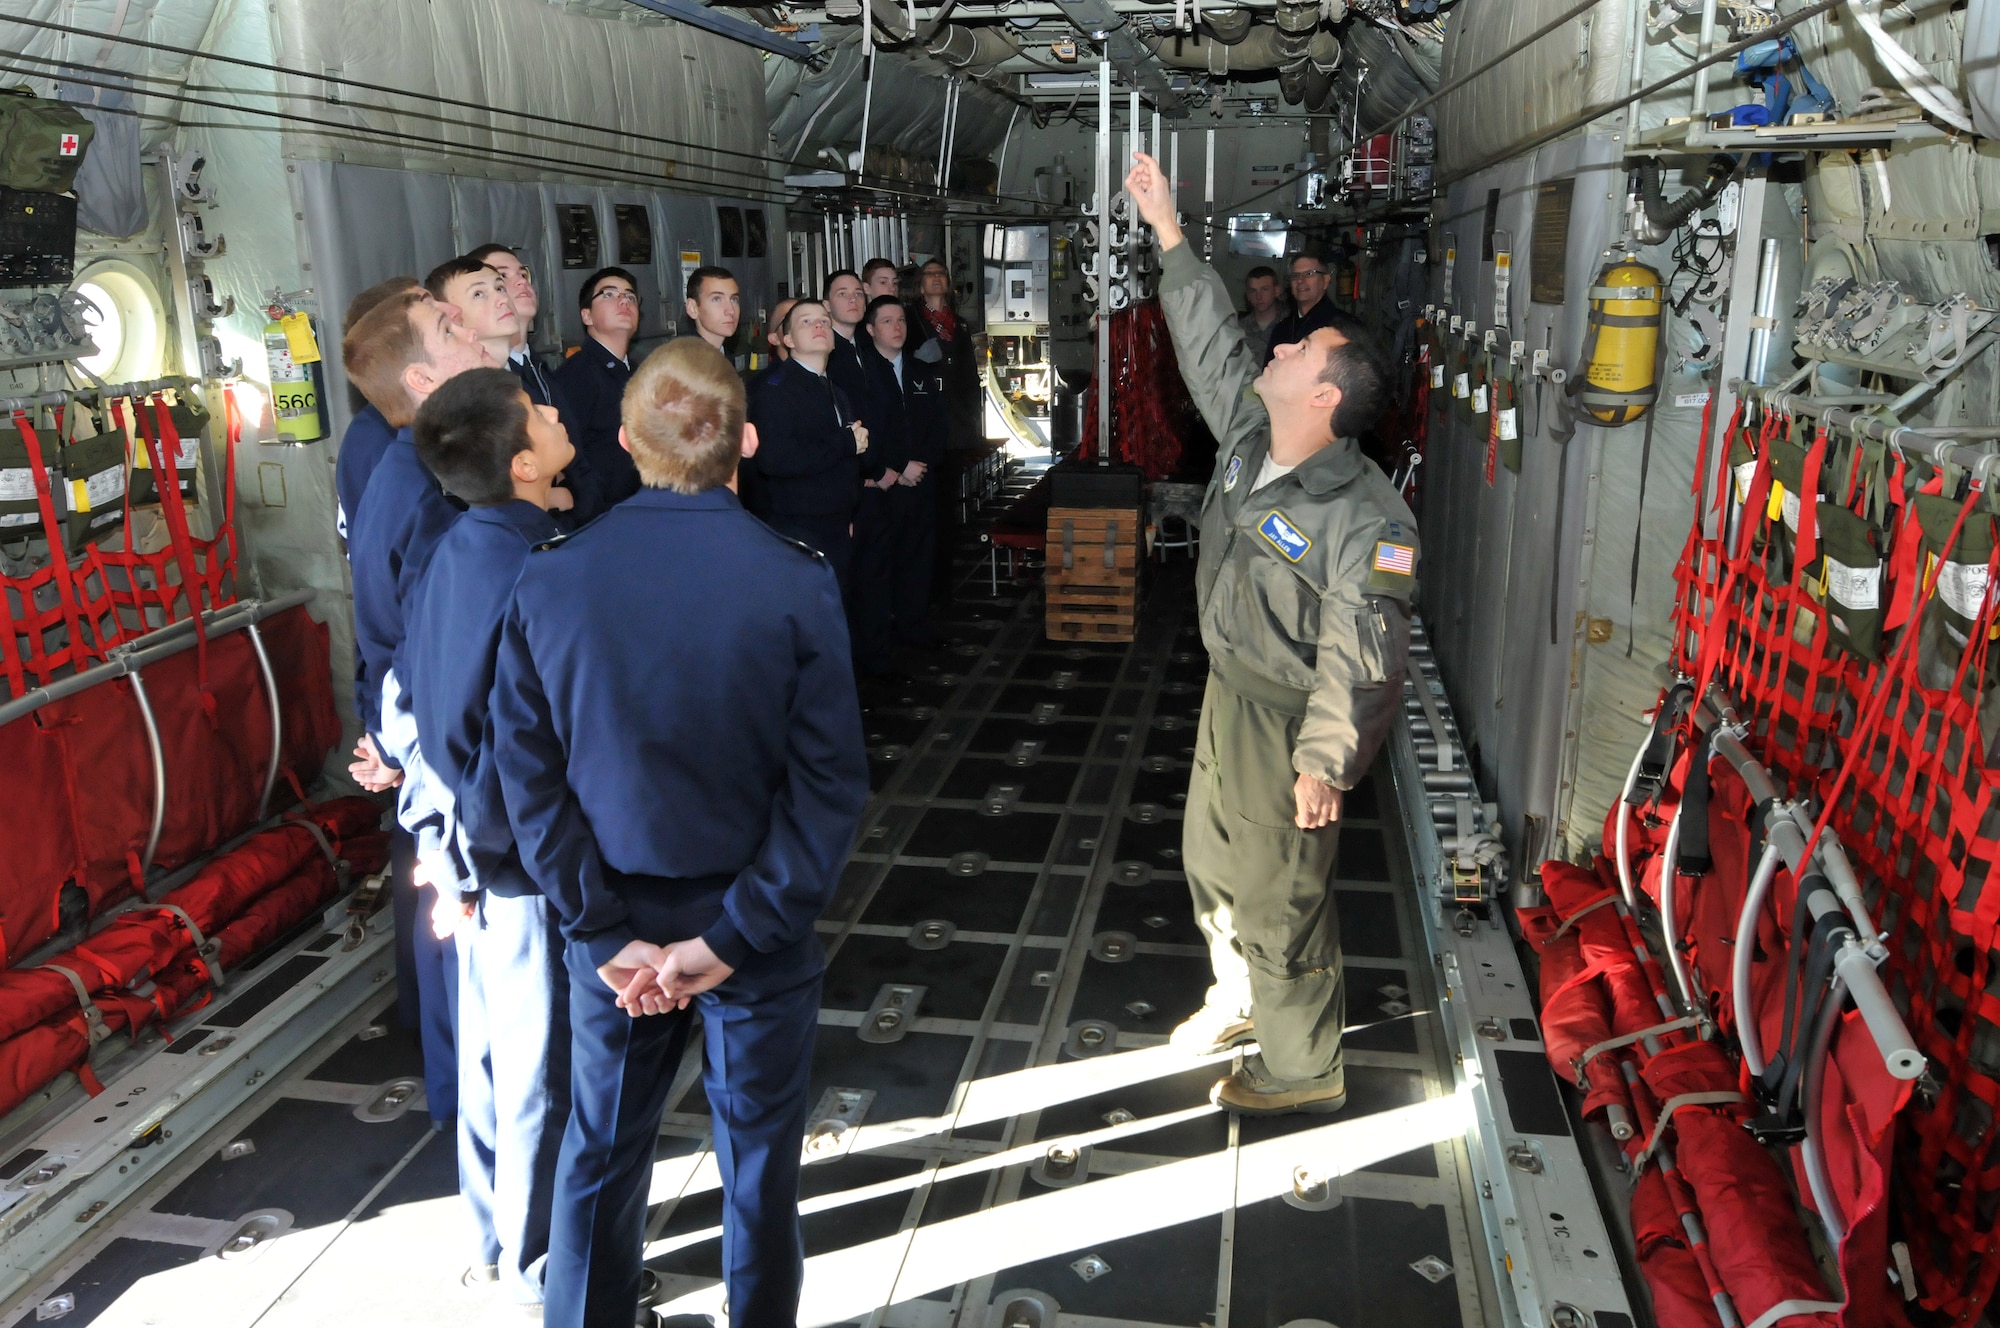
68,614
1897,745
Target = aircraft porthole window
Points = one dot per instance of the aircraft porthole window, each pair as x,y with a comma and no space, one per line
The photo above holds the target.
729,221
126,320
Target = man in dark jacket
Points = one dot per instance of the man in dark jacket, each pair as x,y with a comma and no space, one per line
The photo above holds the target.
678,655
590,385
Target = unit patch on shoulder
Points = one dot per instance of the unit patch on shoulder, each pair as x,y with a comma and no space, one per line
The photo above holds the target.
1284,536
1230,476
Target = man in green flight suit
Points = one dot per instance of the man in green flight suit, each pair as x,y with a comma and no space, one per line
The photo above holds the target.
1308,562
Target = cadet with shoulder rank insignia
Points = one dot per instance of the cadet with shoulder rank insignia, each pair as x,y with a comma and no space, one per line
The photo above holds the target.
678,745
1308,562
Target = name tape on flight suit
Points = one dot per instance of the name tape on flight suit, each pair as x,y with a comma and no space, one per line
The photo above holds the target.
1284,537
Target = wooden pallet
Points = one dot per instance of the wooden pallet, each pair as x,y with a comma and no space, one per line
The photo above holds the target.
1091,579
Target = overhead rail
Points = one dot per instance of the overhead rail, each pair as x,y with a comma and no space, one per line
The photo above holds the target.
102,391
1944,447
130,660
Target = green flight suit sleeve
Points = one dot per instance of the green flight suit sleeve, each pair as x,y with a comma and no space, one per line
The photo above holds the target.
1364,647
1215,363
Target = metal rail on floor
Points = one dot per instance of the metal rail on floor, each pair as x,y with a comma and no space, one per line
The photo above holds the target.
72,1177
1551,1250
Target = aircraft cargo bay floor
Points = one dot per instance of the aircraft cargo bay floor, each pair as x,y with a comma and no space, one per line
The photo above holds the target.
1027,1146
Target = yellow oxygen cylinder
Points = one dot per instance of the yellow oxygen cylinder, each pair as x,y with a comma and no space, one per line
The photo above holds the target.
1619,384
293,352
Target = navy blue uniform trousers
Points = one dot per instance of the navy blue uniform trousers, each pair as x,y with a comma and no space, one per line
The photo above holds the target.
426,979
758,1029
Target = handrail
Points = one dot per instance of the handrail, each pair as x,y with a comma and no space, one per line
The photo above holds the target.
102,391
1981,460
1856,959
172,639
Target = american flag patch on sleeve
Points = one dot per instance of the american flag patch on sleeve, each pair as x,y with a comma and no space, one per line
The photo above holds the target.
1397,558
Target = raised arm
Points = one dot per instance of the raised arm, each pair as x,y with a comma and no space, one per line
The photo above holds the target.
1216,365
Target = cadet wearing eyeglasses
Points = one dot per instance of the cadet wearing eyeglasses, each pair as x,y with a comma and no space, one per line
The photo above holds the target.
591,384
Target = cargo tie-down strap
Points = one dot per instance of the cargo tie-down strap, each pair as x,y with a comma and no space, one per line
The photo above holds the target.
1596,1049
1715,1098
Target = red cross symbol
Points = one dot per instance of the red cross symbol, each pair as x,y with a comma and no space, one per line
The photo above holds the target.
69,145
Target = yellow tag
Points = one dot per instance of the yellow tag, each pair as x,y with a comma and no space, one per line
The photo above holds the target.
299,338
1775,508
79,496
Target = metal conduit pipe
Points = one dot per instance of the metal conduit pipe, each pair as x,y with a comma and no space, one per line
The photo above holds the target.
976,50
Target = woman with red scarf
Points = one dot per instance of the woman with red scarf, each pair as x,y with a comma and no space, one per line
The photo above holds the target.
947,339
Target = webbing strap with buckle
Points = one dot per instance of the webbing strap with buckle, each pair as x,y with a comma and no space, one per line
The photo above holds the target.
208,947
93,1017
1582,1060
1716,1098
333,858
1591,907
1432,716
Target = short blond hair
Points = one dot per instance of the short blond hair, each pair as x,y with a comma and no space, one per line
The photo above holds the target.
683,414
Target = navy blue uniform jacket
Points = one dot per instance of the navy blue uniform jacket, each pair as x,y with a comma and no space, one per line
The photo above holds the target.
403,516
590,390
912,411
361,449
674,699
447,665
806,462
537,382
847,367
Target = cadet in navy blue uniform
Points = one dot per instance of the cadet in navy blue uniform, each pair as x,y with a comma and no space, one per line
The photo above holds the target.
880,467
678,743
486,441
520,286
368,434
591,383
811,436
398,354
908,397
